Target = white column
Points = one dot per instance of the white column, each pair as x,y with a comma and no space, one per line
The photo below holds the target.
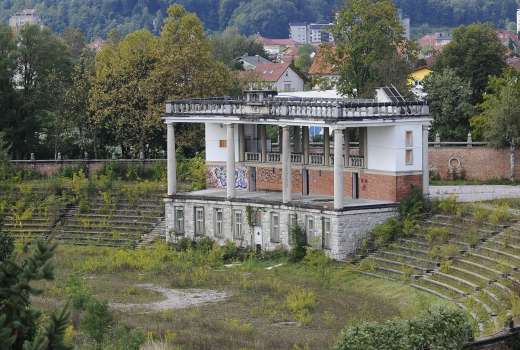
286,166
346,150
425,162
263,142
230,163
338,170
326,145
305,132
172,161
241,143
297,139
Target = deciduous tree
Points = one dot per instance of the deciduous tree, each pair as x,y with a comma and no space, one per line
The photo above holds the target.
475,54
371,49
500,118
449,97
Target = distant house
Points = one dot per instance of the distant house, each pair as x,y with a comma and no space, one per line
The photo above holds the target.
322,68
23,17
510,40
250,62
96,45
435,41
275,47
514,62
277,76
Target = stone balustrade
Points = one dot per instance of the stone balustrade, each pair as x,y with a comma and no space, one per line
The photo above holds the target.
315,159
315,108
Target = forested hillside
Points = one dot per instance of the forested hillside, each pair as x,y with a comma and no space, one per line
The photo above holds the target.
268,17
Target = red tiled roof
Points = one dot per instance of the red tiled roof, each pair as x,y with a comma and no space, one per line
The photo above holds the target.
270,41
271,71
320,65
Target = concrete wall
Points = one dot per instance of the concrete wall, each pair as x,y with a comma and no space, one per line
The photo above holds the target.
348,229
475,193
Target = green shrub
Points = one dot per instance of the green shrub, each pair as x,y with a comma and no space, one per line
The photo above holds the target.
6,245
299,243
321,263
387,232
439,328
447,206
124,338
473,237
413,205
132,172
78,292
481,215
368,265
96,321
500,214
446,266
437,235
158,172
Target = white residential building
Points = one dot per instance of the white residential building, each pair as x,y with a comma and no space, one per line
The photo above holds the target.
21,18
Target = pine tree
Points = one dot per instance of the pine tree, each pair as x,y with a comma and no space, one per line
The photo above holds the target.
18,320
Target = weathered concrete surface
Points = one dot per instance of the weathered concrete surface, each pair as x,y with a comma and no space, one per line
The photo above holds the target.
475,193
175,298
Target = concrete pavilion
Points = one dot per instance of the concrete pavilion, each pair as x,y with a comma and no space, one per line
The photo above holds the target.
370,155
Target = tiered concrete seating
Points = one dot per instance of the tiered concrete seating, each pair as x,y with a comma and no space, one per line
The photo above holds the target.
479,276
118,224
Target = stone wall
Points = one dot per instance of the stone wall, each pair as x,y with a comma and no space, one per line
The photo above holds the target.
348,228
475,193
53,167
476,163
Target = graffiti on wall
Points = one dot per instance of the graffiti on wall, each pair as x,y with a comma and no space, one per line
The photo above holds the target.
217,178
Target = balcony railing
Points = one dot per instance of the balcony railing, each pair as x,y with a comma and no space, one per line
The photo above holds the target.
315,159
310,108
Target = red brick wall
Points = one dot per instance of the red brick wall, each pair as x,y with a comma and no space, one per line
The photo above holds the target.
478,163
270,179
372,186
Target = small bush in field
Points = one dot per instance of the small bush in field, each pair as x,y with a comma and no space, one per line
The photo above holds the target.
446,266
78,292
96,321
409,226
473,237
301,302
299,242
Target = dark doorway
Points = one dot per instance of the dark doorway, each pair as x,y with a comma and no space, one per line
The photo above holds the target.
252,179
305,182
355,185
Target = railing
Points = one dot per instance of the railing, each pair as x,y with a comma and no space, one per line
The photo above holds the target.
356,162
253,157
317,159
322,108
273,157
296,158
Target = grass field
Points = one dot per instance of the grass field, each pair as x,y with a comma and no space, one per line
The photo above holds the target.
292,306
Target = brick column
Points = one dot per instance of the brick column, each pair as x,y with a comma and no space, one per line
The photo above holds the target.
172,161
286,166
425,162
338,170
326,146
230,162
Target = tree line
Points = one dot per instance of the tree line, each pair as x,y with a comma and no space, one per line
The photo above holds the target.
58,96
268,17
